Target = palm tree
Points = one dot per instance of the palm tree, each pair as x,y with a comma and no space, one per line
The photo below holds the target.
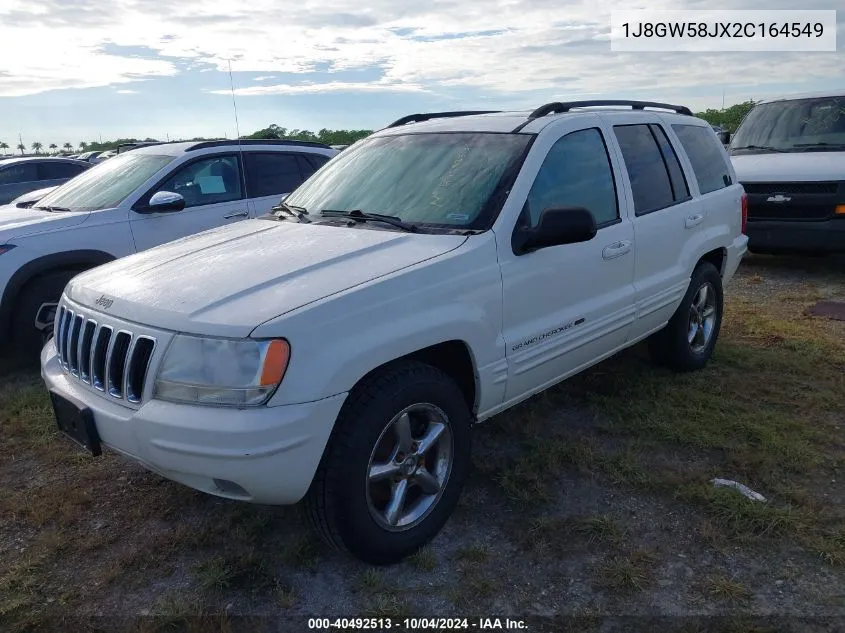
68,147
22,148
83,146
53,148
37,147
4,147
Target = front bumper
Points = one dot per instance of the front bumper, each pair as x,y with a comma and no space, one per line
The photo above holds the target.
785,236
269,453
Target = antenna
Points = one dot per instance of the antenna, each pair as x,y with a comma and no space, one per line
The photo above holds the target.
237,125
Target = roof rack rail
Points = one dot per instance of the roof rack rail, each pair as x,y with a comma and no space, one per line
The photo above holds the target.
252,141
566,106
417,118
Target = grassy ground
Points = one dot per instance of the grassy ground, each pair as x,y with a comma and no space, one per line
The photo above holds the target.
590,500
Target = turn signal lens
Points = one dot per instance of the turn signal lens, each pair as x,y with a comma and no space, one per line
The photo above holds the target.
840,209
275,363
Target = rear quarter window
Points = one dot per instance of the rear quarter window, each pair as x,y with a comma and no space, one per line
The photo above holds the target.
705,153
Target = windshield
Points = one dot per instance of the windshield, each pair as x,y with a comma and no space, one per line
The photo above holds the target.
796,125
439,179
107,184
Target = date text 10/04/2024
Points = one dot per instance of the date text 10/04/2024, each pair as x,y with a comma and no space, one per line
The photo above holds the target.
415,624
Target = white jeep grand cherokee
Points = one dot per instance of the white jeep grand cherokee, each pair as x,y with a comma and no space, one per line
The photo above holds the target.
427,278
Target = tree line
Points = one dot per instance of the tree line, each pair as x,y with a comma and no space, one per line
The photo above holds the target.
728,118
329,137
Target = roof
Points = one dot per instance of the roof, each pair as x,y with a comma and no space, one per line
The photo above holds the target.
59,159
182,147
523,120
834,92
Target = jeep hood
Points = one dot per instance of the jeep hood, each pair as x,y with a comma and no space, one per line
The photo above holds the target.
227,281
791,167
16,222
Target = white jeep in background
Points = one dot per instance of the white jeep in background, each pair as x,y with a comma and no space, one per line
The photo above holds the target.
429,277
131,202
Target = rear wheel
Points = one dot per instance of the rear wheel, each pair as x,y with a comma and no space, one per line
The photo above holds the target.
395,465
688,340
35,313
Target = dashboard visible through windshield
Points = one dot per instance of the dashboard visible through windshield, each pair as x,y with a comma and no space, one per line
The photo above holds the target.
106,185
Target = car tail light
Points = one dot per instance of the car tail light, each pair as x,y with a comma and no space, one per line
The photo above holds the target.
744,212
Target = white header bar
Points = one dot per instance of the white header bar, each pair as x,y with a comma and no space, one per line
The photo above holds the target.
723,31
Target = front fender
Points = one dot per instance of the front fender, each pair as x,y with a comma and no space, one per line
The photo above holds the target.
341,339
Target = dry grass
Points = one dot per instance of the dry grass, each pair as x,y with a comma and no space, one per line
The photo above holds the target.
726,589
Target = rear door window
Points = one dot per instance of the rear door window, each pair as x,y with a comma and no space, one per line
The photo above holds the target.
272,173
651,184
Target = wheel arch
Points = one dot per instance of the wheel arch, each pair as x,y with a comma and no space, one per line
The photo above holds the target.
66,261
452,357
718,257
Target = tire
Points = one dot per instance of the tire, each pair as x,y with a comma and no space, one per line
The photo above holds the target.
348,510
671,346
27,339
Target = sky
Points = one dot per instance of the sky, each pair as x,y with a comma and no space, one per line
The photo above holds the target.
73,70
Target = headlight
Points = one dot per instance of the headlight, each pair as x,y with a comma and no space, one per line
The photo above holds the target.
236,372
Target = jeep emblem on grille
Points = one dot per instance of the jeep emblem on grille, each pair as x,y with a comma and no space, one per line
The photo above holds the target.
779,198
104,301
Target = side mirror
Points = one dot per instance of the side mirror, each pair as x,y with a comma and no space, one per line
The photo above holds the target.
557,226
165,202
725,137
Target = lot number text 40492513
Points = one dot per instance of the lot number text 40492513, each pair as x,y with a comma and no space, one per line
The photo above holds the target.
416,624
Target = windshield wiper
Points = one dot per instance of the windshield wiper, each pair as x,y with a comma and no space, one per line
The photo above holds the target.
768,148
297,212
360,216
820,145
53,208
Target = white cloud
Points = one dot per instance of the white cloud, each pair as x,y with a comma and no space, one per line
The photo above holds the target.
502,48
316,88
126,92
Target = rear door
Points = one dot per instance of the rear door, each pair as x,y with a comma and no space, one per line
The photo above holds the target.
213,188
17,179
271,175
666,217
713,174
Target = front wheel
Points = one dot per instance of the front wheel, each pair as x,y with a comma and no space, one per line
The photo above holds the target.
395,466
35,313
688,340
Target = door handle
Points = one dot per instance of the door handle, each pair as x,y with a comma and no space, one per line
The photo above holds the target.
694,220
236,214
616,249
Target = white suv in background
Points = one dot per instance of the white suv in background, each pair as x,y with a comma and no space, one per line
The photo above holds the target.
789,155
139,199
429,277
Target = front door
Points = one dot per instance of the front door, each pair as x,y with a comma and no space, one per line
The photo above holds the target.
214,195
566,306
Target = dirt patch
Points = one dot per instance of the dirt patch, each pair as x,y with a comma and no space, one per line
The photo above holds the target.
590,501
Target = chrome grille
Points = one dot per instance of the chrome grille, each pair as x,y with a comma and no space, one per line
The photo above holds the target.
112,361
